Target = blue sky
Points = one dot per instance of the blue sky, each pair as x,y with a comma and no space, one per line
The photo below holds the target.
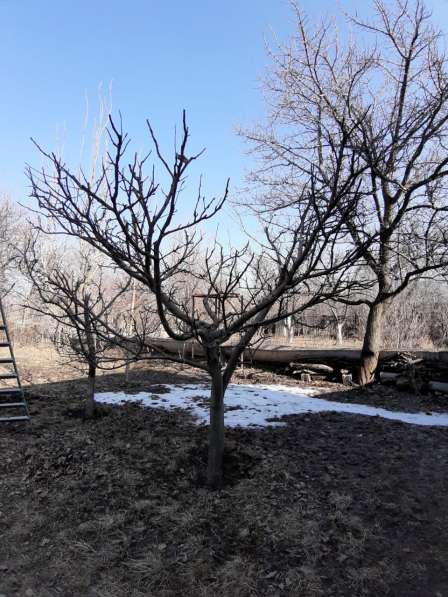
203,55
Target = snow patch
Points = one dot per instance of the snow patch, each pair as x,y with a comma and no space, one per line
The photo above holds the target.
256,405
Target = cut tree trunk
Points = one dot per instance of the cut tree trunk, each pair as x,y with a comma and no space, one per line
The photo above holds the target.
372,344
216,428
89,411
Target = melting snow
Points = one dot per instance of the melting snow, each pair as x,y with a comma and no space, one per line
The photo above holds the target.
255,405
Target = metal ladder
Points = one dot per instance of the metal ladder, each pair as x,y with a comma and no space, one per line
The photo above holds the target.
13,406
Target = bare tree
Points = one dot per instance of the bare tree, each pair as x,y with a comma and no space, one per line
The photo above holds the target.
134,221
339,319
71,287
10,223
387,101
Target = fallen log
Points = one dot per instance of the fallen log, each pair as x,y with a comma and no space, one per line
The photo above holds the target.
312,367
438,386
337,359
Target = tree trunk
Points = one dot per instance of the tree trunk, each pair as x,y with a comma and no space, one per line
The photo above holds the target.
372,344
216,428
289,329
127,369
89,411
339,336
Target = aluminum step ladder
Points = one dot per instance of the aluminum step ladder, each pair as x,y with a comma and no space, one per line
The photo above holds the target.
13,406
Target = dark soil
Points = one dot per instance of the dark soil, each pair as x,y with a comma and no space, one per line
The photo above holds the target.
330,505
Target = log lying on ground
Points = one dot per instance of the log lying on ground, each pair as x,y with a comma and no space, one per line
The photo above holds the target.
319,371
431,365
268,353
313,368
438,386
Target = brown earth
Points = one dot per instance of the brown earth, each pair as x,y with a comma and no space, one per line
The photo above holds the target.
330,505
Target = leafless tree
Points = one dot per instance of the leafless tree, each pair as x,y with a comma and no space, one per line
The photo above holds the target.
438,320
339,318
10,224
141,226
71,287
385,103
417,317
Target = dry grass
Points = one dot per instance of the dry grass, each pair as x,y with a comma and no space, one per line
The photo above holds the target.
328,506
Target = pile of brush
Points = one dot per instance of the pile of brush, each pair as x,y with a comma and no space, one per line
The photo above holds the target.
416,374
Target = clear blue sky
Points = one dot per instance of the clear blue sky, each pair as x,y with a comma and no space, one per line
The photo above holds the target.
202,55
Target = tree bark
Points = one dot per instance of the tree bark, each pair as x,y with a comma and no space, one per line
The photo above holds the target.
89,410
372,344
216,427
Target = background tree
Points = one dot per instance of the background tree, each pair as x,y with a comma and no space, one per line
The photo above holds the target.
387,101
11,228
339,314
72,287
143,227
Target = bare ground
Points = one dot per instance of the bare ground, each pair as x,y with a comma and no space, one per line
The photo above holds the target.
331,505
